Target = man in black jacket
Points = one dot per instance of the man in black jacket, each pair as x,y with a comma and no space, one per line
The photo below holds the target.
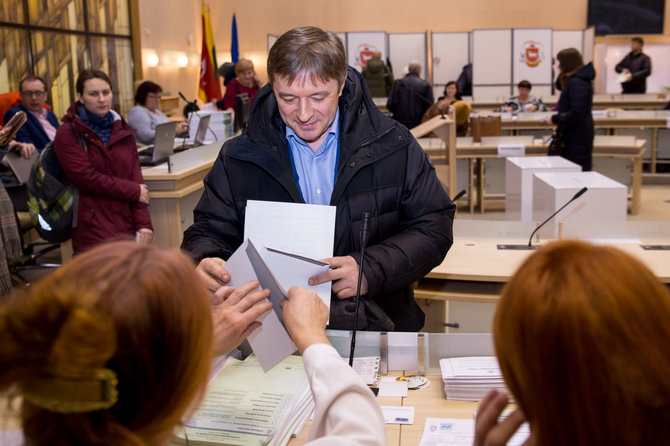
636,66
410,97
316,109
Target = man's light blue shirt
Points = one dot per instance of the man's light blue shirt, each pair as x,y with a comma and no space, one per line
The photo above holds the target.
315,171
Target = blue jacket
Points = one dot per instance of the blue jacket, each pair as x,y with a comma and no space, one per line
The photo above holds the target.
32,130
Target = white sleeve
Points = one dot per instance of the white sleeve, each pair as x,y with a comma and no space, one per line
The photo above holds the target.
346,411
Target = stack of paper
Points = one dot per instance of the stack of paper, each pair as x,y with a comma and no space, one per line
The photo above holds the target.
244,405
470,378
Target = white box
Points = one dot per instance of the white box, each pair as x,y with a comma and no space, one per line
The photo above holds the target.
519,182
605,199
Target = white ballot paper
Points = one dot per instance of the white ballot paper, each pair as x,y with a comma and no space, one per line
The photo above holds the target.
287,237
307,230
457,432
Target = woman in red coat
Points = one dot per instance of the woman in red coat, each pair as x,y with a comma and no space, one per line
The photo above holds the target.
97,152
245,82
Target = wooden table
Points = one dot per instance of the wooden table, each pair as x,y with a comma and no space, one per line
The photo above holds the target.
653,120
173,197
600,102
474,273
428,403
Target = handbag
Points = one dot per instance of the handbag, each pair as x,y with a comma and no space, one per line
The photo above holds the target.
556,142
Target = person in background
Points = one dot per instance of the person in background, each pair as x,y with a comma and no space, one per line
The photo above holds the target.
524,102
132,320
377,75
245,81
581,334
410,97
40,127
636,67
97,152
146,114
451,98
574,107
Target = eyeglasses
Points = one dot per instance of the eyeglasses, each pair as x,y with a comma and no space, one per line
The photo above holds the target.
37,94
153,96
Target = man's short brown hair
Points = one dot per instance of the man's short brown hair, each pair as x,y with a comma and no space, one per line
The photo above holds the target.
308,51
31,79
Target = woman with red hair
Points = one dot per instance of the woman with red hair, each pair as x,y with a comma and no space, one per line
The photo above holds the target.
582,337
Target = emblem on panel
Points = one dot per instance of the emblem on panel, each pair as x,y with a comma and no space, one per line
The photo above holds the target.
532,53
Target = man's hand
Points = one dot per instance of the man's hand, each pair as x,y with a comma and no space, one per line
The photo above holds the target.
25,149
305,317
235,318
213,272
490,432
344,274
531,107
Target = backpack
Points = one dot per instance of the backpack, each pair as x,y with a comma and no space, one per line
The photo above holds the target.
52,205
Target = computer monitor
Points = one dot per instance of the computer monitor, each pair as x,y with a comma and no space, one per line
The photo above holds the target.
242,111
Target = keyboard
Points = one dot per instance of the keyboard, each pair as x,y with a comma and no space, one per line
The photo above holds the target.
147,151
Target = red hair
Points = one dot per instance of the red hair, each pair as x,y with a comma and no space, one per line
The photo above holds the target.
581,333
128,307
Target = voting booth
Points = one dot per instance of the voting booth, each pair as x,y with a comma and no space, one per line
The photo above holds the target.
605,199
519,182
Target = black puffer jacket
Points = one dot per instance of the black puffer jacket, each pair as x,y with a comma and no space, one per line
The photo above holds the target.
574,113
381,169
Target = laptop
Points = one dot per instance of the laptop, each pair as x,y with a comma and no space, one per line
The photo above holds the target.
163,145
200,135
19,165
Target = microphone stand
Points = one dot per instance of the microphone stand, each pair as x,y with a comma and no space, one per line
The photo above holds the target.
193,106
530,246
364,235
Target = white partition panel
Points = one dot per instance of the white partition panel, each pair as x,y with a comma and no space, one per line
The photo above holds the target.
361,45
492,58
405,47
451,51
492,62
567,39
589,42
532,55
271,40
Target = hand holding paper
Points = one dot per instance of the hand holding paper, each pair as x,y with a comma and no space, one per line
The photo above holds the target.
213,272
235,318
305,317
344,274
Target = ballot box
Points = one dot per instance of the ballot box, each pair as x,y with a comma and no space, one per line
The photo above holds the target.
519,182
604,200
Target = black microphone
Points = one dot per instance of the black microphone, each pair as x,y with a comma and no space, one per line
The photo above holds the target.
581,192
459,195
191,107
365,234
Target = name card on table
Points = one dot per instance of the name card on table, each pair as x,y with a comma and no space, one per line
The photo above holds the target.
506,150
599,114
